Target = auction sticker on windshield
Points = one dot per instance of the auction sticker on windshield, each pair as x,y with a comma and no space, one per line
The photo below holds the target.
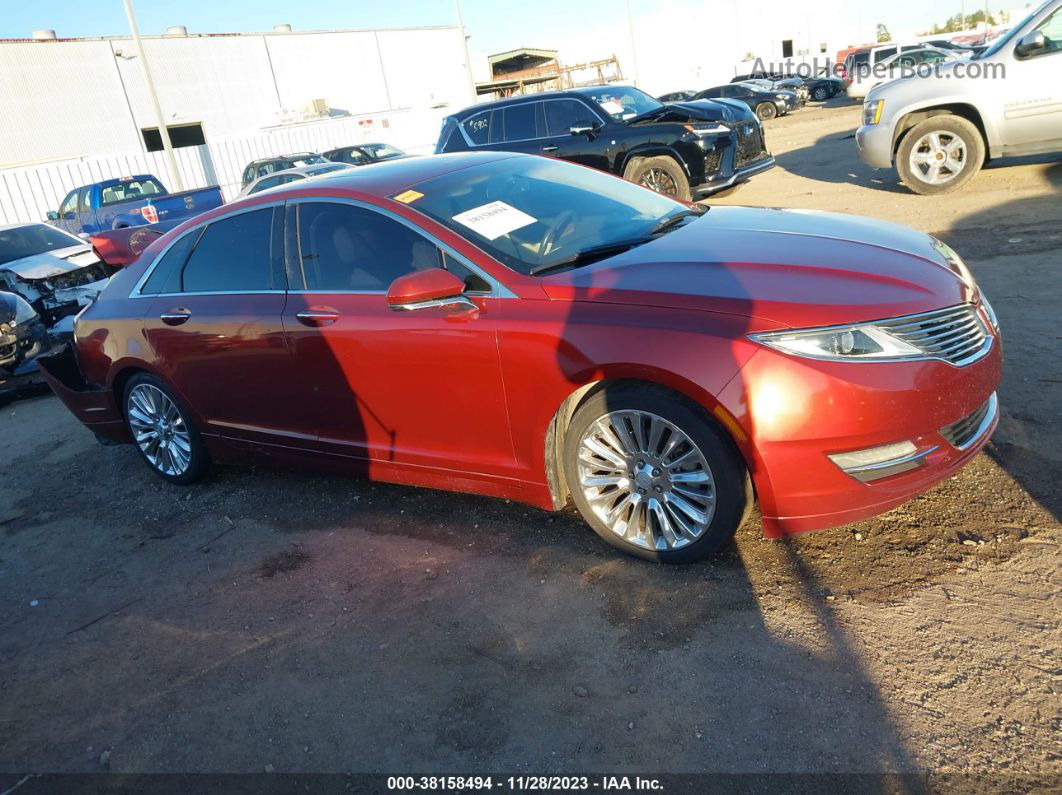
494,219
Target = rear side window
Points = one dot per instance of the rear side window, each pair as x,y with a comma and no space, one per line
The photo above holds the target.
478,128
520,121
166,276
883,54
233,255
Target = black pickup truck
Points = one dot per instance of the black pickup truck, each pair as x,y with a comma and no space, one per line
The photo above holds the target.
684,149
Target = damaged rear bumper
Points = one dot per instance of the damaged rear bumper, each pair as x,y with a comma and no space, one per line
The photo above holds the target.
95,406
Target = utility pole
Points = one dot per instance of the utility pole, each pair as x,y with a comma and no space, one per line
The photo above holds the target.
464,42
634,47
160,120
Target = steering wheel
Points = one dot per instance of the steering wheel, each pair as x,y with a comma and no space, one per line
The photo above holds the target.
549,240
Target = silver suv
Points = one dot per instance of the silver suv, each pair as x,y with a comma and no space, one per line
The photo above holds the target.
939,129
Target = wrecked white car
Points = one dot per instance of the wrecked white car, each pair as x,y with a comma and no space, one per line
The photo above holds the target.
56,272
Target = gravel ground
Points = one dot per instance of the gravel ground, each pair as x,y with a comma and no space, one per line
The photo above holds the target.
285,621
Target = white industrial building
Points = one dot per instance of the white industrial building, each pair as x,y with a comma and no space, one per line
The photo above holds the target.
76,109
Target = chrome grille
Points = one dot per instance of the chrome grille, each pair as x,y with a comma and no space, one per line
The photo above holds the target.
962,433
956,334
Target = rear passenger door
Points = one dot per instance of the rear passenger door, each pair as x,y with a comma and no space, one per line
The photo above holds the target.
214,324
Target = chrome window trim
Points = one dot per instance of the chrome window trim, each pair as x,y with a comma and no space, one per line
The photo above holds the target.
498,290
977,355
135,292
468,140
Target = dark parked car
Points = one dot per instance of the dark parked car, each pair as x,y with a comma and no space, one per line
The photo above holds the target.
766,104
268,165
818,88
677,96
681,149
363,154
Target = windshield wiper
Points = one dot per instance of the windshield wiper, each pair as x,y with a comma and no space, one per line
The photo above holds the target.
667,223
588,255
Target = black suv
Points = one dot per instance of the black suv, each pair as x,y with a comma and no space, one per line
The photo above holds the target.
682,149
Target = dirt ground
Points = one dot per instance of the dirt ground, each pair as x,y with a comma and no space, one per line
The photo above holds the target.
285,621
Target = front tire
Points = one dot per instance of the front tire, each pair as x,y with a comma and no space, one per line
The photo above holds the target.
653,475
939,155
661,174
820,94
160,428
766,111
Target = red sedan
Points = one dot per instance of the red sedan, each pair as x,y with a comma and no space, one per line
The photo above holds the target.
531,329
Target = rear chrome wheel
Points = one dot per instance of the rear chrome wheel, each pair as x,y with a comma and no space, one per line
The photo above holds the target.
653,474
161,431
646,480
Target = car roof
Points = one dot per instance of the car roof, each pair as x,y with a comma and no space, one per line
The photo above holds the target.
581,91
274,158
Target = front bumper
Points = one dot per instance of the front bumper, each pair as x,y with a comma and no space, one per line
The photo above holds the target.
95,407
874,142
799,411
22,343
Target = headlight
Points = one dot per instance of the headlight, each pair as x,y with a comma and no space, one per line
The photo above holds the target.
865,342
24,313
706,127
872,111
990,313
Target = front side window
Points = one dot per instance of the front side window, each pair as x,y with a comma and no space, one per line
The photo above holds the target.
563,114
518,209
234,254
1052,30
69,206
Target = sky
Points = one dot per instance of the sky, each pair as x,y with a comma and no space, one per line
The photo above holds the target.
494,25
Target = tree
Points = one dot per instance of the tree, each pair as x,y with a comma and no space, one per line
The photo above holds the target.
883,32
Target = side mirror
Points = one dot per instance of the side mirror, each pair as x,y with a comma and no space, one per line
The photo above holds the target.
53,215
583,128
427,289
1030,43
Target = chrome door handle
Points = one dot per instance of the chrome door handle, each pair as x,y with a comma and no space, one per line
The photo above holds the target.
175,317
317,317
550,148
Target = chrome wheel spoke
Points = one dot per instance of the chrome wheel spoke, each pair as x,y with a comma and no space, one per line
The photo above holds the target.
646,480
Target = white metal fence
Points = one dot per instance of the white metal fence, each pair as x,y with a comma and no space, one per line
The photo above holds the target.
27,193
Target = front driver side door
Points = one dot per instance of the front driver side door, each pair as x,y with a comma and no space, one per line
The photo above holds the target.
400,391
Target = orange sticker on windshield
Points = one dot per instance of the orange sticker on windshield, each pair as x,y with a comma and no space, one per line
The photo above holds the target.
408,196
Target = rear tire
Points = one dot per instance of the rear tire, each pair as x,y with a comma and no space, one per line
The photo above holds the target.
820,94
160,427
766,111
668,485
940,154
661,174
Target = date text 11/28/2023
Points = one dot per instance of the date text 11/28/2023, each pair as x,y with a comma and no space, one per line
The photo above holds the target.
522,783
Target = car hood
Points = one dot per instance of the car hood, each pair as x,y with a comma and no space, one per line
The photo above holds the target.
53,263
792,268
702,110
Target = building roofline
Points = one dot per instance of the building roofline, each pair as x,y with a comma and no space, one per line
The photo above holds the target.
243,34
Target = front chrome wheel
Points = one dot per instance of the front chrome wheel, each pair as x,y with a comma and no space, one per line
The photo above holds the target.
659,180
159,430
938,157
646,480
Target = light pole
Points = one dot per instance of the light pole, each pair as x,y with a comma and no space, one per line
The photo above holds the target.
634,47
164,134
464,43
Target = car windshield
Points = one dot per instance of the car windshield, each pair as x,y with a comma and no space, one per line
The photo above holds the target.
623,102
25,241
382,151
521,210
1001,42
306,160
